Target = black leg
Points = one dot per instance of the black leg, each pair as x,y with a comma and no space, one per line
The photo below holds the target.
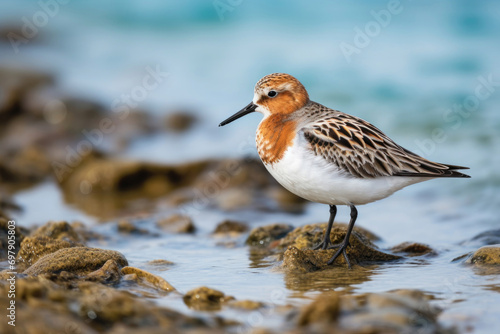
326,240
343,246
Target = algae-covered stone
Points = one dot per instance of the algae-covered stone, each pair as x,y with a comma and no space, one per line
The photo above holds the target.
150,279
58,230
205,299
43,306
296,260
108,306
308,236
299,257
33,248
487,255
262,236
76,260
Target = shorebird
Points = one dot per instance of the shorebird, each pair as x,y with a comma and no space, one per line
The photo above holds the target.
330,157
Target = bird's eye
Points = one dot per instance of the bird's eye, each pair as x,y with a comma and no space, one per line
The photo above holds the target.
272,93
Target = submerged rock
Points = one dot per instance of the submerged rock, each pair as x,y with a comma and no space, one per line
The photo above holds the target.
486,255
263,235
205,299
413,249
160,264
76,260
177,224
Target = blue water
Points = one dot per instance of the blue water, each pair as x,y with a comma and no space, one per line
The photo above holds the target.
419,75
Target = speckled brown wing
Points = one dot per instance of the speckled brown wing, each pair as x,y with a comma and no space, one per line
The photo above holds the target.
364,151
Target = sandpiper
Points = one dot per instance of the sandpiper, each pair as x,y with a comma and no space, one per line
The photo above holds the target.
327,156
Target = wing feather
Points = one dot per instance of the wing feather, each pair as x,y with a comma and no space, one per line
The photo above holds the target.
362,150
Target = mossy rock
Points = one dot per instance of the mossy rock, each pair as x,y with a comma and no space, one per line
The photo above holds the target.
75,260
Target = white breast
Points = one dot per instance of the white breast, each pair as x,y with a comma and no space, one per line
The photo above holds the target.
312,177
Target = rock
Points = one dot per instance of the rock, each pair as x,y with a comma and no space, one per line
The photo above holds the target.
413,249
394,312
179,121
33,248
90,307
234,199
8,204
308,236
286,200
486,238
241,183
299,255
324,309
85,233
105,187
248,305
16,85
298,261
160,264
7,225
205,299
58,230
109,273
230,227
177,224
43,321
486,255
262,236
113,177
109,306
24,166
404,311
148,278
127,227
76,260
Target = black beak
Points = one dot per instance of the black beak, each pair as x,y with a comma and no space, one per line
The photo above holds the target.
245,111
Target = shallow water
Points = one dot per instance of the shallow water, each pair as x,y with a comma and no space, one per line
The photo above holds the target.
405,82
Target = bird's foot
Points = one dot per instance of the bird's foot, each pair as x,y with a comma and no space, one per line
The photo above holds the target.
325,244
342,249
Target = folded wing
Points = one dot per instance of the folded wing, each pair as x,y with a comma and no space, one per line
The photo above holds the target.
364,151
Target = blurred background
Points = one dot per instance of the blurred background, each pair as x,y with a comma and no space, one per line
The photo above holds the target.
424,72
133,88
